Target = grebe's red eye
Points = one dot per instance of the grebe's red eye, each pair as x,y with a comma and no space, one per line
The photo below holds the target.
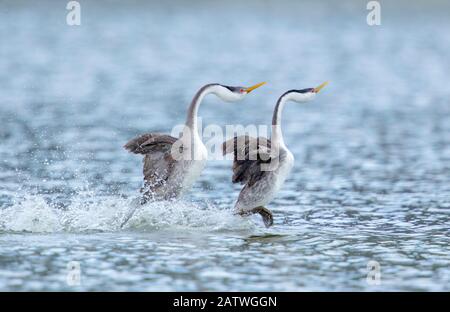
242,90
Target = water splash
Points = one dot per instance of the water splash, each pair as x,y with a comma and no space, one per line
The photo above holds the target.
90,213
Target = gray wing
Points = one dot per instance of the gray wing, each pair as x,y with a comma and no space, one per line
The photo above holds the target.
249,154
158,161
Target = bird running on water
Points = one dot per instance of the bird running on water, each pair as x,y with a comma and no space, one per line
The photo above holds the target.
171,165
263,165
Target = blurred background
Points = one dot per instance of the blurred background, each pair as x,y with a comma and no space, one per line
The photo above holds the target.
372,174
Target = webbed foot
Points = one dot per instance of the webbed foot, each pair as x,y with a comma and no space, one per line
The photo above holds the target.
265,213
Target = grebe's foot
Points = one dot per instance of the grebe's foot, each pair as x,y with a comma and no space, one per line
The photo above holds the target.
265,213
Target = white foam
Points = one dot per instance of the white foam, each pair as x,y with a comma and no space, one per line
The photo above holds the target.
88,212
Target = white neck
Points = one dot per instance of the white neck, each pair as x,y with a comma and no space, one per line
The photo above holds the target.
277,135
191,119
191,137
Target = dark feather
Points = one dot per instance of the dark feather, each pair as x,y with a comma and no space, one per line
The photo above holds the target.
148,142
158,161
249,154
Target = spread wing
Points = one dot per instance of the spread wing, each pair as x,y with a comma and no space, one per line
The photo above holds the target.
249,154
158,161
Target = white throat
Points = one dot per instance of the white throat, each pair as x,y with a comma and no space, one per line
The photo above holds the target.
277,134
191,119
191,137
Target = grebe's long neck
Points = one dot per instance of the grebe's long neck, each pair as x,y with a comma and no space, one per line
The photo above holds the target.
190,136
277,135
191,119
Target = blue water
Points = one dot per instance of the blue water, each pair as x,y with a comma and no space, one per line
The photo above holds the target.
371,180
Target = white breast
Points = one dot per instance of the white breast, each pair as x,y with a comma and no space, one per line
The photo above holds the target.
283,171
193,168
262,192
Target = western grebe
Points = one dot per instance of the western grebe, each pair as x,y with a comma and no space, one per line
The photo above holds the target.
263,165
171,165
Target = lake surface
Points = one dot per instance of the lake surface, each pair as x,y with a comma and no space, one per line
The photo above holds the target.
371,182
